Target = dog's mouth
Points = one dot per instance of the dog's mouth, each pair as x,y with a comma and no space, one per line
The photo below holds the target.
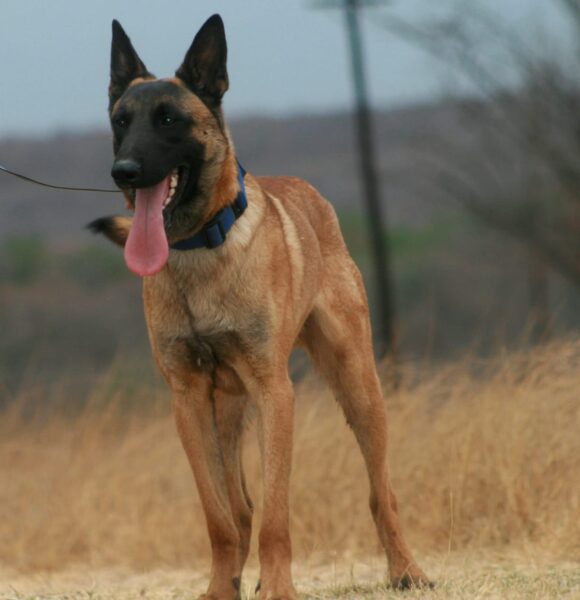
147,248
178,180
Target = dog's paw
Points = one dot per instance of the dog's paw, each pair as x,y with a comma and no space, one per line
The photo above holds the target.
277,594
212,596
409,582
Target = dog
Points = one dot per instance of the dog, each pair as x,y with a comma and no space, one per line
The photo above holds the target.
237,271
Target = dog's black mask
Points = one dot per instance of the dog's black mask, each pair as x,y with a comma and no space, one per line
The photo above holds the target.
162,127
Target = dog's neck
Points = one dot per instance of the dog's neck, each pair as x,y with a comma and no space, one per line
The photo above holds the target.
224,213
223,186
198,267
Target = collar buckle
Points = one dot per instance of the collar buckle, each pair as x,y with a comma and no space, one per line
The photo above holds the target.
214,234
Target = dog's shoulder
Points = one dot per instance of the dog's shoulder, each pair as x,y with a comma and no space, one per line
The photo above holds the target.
290,189
303,202
296,194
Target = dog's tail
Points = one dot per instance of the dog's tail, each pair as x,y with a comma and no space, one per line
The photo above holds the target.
115,228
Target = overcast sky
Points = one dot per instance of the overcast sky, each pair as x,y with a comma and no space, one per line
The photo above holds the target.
284,57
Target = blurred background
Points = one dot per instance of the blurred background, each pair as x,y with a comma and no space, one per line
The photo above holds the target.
476,132
470,150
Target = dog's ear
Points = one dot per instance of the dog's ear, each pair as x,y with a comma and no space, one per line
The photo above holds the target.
204,67
125,64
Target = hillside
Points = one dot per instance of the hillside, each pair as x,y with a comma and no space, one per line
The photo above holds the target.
318,148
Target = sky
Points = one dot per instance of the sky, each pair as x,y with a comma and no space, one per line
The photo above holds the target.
285,57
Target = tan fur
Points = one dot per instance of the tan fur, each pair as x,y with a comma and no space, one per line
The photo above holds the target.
222,324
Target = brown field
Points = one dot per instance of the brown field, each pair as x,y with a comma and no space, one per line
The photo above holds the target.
485,459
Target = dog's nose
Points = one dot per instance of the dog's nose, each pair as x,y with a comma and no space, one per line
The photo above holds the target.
126,171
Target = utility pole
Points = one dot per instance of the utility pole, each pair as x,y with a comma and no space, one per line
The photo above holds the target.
376,213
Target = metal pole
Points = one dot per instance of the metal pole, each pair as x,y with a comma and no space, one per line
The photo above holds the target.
377,221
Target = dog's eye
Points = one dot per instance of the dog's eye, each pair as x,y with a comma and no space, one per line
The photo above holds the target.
167,120
121,122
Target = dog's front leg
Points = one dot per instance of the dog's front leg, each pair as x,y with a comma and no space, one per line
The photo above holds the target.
274,399
196,425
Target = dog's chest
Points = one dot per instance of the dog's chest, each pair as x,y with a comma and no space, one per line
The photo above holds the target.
205,352
203,327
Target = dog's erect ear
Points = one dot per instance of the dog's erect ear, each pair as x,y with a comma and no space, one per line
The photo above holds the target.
204,67
125,64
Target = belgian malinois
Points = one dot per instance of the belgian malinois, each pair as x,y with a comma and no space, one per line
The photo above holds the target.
237,271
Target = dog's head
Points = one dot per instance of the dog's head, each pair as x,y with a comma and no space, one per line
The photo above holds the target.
167,134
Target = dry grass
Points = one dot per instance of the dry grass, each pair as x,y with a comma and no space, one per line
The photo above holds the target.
484,458
458,578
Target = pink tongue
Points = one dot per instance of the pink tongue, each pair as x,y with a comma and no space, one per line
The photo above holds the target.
147,250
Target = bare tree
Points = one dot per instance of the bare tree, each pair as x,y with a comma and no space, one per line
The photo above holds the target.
518,166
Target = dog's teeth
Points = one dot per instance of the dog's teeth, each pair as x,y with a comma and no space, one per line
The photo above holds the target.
169,197
173,182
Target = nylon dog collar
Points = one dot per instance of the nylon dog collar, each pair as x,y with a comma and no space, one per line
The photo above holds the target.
214,232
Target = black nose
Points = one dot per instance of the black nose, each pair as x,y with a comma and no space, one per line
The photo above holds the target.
126,171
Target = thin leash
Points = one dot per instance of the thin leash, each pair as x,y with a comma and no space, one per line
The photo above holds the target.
57,187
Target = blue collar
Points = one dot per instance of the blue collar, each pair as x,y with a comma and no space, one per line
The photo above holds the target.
214,232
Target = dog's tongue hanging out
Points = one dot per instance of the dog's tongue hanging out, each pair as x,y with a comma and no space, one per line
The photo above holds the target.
147,250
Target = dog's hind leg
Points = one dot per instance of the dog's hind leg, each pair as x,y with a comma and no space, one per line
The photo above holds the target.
196,423
337,336
229,415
